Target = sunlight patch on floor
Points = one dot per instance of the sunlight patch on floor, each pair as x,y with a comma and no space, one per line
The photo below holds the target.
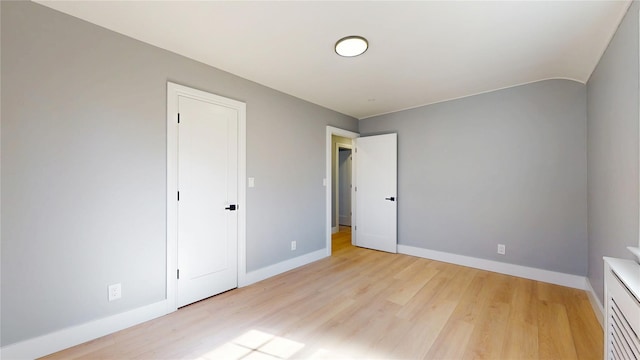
256,344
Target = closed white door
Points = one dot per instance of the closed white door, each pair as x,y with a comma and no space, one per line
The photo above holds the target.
376,187
208,193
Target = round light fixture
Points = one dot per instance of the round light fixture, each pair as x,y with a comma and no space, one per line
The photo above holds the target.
351,46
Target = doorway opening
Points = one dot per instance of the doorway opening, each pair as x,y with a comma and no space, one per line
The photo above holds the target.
339,147
341,183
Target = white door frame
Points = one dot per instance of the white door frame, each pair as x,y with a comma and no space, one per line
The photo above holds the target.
336,168
173,91
327,180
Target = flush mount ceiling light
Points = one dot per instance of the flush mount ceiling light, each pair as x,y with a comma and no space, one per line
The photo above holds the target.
351,46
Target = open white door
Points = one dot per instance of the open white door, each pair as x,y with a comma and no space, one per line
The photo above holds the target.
376,186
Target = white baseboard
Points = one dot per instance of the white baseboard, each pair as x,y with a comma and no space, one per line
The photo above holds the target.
72,336
335,229
75,335
598,309
284,266
574,281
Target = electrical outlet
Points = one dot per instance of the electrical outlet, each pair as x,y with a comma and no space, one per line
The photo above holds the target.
501,249
115,292
293,245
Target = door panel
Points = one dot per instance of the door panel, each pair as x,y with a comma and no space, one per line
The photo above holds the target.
376,187
207,183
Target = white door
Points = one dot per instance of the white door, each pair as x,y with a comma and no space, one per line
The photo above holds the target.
208,193
376,187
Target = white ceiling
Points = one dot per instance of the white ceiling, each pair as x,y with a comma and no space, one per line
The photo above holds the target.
419,52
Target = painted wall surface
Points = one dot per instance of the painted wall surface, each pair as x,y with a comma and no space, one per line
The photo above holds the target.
334,179
84,173
506,167
612,98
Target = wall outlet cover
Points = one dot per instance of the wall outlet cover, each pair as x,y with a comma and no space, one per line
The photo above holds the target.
115,292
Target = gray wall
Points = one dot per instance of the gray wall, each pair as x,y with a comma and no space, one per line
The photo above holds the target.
83,169
503,167
612,98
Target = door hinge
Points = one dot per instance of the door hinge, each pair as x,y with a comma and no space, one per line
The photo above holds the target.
178,195
355,227
356,188
178,118
178,274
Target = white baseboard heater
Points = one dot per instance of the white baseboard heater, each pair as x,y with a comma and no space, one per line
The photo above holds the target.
622,309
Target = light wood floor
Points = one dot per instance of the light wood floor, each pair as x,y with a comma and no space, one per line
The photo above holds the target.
361,303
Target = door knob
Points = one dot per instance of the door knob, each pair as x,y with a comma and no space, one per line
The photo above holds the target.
231,207
390,198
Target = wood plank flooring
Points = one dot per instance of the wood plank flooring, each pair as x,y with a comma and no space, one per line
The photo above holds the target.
362,303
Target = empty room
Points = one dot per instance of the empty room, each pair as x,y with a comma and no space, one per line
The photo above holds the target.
319,179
